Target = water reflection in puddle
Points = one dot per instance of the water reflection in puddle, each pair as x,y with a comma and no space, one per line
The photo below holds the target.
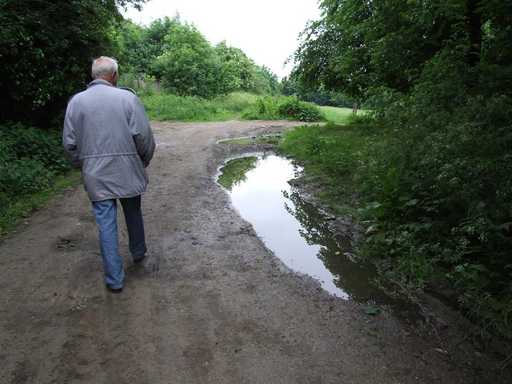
296,232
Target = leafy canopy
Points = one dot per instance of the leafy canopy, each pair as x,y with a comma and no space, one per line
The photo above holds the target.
178,55
46,48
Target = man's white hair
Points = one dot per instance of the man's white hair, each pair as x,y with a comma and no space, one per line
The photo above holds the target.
103,66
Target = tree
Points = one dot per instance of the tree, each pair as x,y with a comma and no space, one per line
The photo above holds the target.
265,81
237,69
46,49
132,51
189,64
440,73
291,86
359,46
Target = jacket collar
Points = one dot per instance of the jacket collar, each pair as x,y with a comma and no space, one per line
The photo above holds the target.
99,81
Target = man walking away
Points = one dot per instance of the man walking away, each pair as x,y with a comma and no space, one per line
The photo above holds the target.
107,135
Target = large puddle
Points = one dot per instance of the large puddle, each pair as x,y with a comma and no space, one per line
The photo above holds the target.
293,229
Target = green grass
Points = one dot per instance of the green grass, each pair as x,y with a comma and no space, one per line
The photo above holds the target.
283,108
234,171
170,107
354,167
235,106
22,206
337,115
333,156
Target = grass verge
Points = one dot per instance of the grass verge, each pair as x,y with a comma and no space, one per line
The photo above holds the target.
331,155
356,170
337,115
22,206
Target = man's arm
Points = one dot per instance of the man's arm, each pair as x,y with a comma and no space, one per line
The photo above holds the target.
69,138
142,134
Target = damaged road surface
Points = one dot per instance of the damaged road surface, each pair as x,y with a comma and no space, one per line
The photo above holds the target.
210,305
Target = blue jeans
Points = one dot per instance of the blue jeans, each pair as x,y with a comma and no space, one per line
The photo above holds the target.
106,217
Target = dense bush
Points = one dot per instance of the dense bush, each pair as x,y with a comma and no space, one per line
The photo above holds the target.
436,212
438,204
441,197
46,48
265,108
21,142
291,108
435,184
189,64
29,161
162,106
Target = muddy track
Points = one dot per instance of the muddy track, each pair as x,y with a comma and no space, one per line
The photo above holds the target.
211,305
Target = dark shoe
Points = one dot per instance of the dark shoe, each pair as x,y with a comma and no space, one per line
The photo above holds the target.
114,290
139,260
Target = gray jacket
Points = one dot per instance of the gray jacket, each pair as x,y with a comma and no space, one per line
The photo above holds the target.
107,134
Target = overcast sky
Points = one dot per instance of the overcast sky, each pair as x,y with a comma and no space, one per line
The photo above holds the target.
266,30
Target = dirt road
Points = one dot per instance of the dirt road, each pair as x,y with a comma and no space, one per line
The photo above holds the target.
211,305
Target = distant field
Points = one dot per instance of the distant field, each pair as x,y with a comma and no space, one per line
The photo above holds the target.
337,115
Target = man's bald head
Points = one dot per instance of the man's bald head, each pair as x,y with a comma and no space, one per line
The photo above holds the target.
105,68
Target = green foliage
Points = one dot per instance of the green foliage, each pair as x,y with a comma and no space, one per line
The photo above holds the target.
189,64
333,153
233,106
338,115
193,108
293,108
265,108
179,56
436,186
358,45
237,69
234,172
331,149
30,159
132,47
265,82
23,177
291,86
154,35
275,108
19,142
46,48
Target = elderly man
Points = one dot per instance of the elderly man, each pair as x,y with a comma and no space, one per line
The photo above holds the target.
107,135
